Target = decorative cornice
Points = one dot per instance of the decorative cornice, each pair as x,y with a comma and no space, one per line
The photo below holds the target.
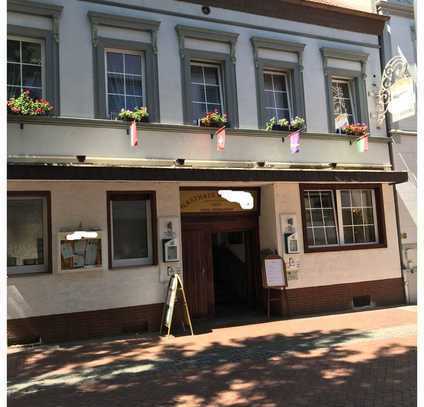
278,45
52,11
397,8
132,23
346,55
206,34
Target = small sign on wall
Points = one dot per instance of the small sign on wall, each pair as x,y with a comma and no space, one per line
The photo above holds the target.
288,223
170,247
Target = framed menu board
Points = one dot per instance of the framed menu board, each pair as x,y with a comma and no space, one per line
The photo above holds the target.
274,273
81,253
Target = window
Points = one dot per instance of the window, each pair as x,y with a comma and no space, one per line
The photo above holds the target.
276,95
345,72
208,73
206,90
24,67
124,81
338,217
341,90
27,233
131,229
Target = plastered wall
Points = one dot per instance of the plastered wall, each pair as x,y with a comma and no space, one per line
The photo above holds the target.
55,293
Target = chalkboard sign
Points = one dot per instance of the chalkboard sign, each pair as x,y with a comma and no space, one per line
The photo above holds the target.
174,294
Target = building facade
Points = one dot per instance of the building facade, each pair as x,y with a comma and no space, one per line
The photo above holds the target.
400,39
176,202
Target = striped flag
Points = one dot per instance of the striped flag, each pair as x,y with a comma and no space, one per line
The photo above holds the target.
134,134
220,139
294,142
362,144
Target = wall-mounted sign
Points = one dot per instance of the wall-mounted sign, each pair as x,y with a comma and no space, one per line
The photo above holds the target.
402,101
218,201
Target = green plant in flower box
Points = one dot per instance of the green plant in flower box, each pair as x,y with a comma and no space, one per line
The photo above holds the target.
139,114
25,105
297,123
213,119
355,129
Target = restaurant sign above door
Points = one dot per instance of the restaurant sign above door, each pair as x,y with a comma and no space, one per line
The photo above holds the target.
218,200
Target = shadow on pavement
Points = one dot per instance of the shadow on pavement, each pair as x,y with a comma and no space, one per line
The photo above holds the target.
305,369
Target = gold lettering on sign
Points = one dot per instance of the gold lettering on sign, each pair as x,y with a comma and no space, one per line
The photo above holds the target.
208,201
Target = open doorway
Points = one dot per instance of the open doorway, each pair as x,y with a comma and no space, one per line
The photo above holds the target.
231,272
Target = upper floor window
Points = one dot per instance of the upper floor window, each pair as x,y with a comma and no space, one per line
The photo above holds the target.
343,102
27,232
124,81
276,95
339,217
206,90
25,62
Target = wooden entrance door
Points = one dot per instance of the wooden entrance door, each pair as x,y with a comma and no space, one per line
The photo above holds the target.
198,264
198,272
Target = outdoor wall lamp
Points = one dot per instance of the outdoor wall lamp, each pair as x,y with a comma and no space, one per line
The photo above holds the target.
81,158
180,161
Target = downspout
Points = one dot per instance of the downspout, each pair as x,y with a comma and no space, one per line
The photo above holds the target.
395,195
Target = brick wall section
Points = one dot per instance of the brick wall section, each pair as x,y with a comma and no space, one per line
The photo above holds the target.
118,321
84,325
338,297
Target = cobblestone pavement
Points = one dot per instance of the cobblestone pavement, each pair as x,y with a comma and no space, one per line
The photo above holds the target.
347,360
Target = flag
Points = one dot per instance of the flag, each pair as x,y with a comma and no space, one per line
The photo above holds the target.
294,142
134,134
220,139
362,143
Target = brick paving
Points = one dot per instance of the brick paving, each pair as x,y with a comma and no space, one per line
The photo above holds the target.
348,360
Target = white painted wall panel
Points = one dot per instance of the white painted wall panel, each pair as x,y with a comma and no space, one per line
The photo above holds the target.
343,64
203,45
124,34
278,55
26,20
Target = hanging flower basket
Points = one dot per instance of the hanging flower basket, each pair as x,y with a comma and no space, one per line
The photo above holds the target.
25,105
213,119
138,114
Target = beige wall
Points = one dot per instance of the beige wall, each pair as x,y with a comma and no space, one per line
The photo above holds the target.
75,202
326,268
72,203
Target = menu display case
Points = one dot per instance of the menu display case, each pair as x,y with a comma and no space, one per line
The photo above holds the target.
80,251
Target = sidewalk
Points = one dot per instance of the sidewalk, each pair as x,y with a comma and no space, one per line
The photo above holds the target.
355,359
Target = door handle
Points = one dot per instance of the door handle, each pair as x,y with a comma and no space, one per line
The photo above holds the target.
203,271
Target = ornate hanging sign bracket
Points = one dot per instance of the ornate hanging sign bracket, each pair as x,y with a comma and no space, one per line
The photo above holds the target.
397,94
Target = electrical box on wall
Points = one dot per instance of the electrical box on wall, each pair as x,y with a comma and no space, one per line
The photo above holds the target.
288,223
170,245
170,250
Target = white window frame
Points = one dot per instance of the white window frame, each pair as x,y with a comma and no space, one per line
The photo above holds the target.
143,77
36,268
43,62
336,226
351,98
337,210
340,215
140,261
274,91
204,84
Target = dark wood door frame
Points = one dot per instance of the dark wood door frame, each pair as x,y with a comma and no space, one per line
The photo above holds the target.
223,223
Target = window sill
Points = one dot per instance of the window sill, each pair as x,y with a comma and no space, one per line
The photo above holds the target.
117,268
38,273
346,248
179,128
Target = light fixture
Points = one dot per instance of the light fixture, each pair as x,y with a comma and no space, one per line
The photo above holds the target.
180,161
81,158
261,164
206,10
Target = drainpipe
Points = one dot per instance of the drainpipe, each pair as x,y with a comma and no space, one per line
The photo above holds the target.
395,195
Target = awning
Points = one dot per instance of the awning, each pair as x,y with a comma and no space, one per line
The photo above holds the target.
51,171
